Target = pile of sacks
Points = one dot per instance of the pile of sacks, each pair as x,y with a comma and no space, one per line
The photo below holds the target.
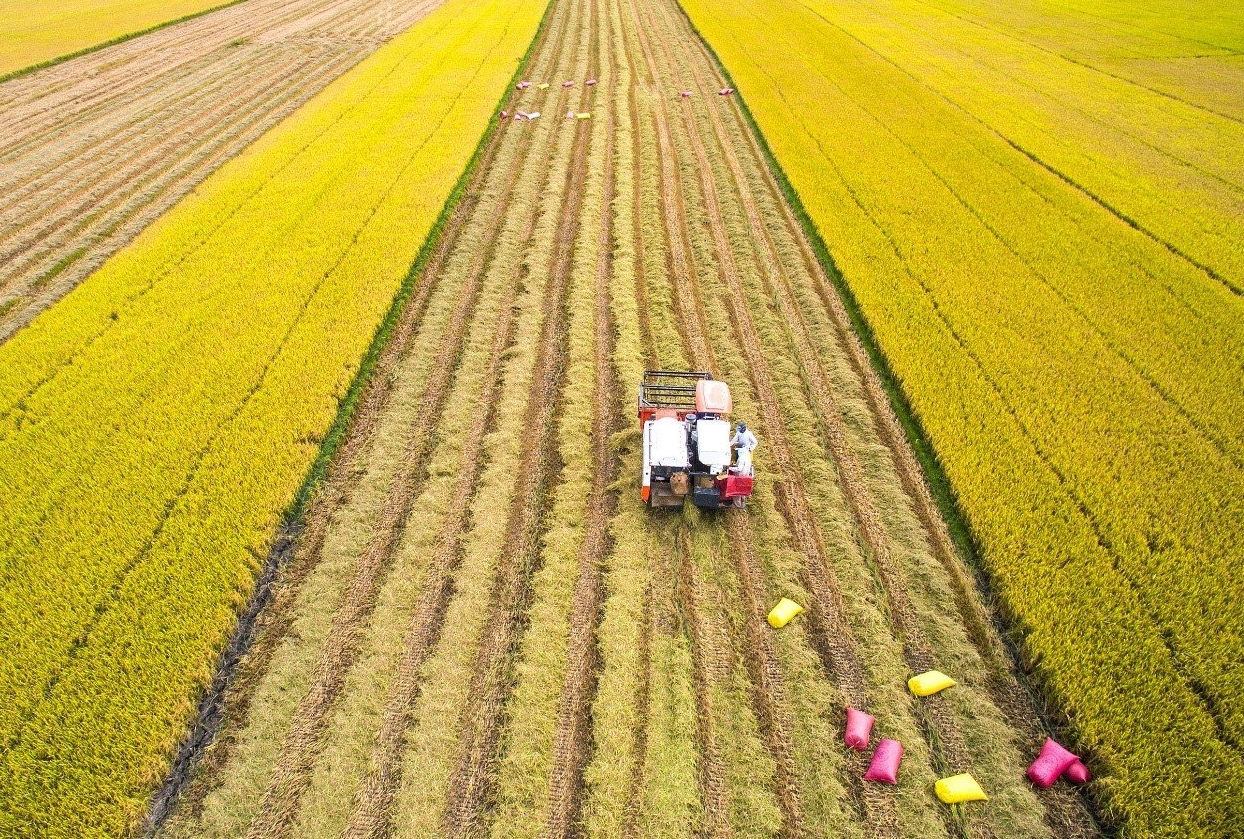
1053,763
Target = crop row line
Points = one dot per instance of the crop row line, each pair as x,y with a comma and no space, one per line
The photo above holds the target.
834,636
571,743
128,192
472,779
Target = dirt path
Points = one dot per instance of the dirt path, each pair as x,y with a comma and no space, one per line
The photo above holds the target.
446,657
96,148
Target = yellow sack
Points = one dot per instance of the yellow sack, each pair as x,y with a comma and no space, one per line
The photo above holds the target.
783,613
959,788
930,682
583,116
542,86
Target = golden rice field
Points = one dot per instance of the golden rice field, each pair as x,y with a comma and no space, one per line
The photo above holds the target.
155,424
320,511
35,33
483,632
1039,216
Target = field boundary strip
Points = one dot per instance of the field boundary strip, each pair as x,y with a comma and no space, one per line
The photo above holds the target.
112,42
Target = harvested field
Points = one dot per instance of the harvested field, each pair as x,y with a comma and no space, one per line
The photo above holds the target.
484,632
95,148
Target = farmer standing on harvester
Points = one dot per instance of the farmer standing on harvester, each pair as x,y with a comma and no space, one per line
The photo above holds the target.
743,442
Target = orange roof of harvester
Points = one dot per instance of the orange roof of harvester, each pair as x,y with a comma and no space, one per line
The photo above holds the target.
712,397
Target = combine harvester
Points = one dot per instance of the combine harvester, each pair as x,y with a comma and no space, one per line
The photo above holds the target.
687,451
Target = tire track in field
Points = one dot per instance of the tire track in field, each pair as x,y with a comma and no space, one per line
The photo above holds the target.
572,735
1065,815
291,775
372,811
707,669
97,147
832,634
472,780
711,773
768,693
643,710
768,689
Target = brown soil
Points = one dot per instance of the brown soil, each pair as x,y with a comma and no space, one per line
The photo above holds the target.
97,147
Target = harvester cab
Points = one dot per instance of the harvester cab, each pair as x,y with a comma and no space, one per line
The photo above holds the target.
684,416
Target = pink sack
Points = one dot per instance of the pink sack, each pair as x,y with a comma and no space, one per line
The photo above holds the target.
859,728
685,94
567,84
590,82
725,91
522,85
505,114
569,114
1077,773
1051,763
884,767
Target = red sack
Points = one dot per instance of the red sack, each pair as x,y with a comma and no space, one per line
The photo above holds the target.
859,729
884,767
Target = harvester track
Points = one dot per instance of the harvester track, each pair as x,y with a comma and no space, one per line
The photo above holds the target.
509,658
97,147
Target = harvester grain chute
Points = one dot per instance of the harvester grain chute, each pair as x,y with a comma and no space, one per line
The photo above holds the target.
685,417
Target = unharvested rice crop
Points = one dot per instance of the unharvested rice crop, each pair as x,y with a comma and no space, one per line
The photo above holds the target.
36,33
1044,239
156,423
